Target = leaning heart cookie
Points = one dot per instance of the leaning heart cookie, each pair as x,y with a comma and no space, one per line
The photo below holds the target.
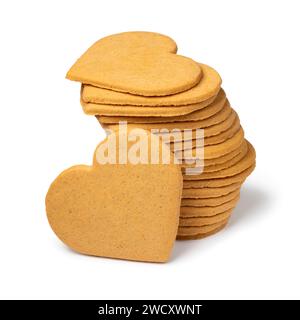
108,210
126,65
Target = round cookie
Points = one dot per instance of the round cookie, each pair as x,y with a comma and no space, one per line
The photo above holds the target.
247,161
204,113
212,192
191,212
210,202
88,211
139,70
203,221
208,87
202,235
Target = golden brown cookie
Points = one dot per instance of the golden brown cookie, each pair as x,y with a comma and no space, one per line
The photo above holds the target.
204,168
194,231
216,183
190,158
141,70
210,202
208,87
247,161
216,167
204,113
223,136
177,139
202,235
225,169
191,212
108,210
203,221
211,151
133,40
216,161
215,119
136,111
210,130
213,192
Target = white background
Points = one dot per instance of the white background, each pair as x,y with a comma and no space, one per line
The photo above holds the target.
255,47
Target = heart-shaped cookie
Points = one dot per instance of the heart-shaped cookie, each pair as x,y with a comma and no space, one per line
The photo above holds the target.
204,113
148,68
127,211
208,87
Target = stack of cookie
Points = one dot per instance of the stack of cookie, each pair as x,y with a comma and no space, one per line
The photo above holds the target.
136,77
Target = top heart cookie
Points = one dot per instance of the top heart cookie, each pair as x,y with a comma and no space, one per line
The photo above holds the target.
141,63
